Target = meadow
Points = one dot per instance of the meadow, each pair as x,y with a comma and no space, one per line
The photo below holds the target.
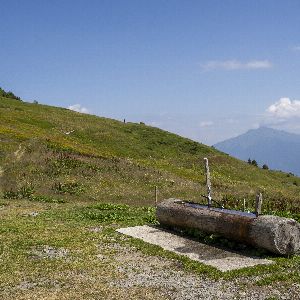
68,180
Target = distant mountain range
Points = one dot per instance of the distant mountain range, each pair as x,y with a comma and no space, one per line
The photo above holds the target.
278,149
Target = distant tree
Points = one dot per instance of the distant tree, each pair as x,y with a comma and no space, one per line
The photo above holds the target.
254,163
249,161
265,167
9,94
35,102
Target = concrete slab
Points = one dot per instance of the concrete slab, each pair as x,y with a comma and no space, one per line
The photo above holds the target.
223,260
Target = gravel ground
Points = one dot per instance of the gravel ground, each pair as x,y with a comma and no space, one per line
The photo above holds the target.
128,273
137,270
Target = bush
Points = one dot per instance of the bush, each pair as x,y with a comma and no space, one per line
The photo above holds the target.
9,94
254,163
265,167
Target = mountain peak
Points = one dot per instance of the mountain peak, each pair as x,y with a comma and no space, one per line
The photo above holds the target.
276,148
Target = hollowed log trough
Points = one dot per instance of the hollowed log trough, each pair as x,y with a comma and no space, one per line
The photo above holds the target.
276,234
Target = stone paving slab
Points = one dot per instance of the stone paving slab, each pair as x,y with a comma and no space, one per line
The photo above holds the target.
223,260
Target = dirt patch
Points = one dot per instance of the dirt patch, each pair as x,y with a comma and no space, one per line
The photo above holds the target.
19,153
48,252
95,229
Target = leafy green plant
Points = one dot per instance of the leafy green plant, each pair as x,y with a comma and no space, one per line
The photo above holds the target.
10,194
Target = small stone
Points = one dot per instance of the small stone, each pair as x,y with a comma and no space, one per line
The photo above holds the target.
33,214
95,229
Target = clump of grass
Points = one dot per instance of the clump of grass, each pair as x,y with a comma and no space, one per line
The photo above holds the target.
28,192
279,277
120,213
72,188
46,199
24,192
2,203
111,206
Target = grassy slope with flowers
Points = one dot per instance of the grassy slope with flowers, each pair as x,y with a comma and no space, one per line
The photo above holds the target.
106,160
63,195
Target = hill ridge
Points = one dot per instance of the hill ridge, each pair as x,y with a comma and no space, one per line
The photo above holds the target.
106,159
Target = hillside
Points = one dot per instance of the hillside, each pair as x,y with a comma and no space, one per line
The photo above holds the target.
55,153
276,148
66,181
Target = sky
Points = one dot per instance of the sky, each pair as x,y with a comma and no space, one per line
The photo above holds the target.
207,70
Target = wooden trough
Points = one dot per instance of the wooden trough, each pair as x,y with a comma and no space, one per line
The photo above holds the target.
276,234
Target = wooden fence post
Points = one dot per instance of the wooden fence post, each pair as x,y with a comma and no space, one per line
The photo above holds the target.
156,195
258,204
208,184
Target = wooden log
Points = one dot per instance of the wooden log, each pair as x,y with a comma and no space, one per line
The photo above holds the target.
276,234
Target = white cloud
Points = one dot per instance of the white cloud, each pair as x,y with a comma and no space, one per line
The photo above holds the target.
285,108
236,65
79,108
206,124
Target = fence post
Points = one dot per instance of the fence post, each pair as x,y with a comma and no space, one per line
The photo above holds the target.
208,184
258,204
156,195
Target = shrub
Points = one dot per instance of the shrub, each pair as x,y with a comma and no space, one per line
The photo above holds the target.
9,94
254,163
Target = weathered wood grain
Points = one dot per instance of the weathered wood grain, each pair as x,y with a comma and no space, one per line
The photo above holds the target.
276,234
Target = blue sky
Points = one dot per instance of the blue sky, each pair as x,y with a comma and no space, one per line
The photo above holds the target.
208,70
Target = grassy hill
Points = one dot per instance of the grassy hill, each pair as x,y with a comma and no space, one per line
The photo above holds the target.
66,180
54,153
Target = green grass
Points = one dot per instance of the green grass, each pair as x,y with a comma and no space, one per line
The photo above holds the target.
104,174
67,226
104,159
